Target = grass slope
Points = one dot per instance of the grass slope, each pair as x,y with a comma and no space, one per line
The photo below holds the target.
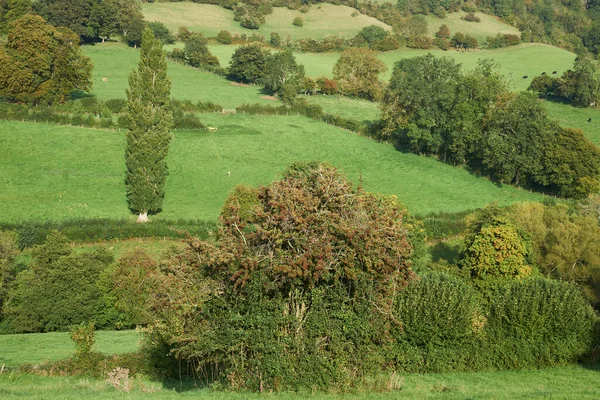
35,348
576,117
320,20
55,172
569,382
488,26
115,61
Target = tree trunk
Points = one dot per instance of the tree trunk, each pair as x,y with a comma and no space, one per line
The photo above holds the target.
143,217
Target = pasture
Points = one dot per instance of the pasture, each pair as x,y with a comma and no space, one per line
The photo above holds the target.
569,382
54,172
320,20
115,61
34,348
488,26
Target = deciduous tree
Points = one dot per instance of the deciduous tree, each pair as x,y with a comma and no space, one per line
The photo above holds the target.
357,73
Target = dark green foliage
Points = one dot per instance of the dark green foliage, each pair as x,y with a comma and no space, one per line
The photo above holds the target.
502,40
438,310
224,37
149,121
248,63
12,10
59,289
161,32
431,107
548,322
580,86
8,269
197,54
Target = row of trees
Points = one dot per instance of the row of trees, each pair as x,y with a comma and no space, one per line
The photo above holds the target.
579,86
432,107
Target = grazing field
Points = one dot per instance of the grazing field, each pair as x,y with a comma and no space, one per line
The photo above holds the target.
320,20
114,62
34,348
576,117
569,382
488,26
53,172
347,107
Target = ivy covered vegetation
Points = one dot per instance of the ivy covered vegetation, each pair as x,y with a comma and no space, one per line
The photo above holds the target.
311,283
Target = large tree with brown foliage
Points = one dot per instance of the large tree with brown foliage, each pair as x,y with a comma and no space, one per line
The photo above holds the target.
297,288
41,63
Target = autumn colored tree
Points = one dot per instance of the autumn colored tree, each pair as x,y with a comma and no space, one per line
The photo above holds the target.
306,255
357,73
42,64
149,121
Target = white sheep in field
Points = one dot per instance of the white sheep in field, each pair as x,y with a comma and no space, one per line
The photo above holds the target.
105,79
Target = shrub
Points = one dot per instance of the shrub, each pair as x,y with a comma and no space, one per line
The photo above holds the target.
438,309
304,281
443,32
298,21
419,42
224,37
116,106
544,322
471,17
59,289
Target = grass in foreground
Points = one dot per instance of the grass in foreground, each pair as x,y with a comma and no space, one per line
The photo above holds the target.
52,172
34,348
569,382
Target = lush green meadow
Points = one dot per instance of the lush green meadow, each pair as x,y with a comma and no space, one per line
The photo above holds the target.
488,26
35,348
320,20
55,172
576,117
114,62
570,382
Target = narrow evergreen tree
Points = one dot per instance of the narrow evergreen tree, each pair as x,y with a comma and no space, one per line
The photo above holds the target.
149,121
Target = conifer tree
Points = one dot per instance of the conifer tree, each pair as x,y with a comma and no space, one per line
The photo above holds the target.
149,121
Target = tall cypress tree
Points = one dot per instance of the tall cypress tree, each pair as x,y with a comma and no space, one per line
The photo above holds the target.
149,121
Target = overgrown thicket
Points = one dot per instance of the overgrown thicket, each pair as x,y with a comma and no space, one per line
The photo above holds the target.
431,107
310,283
297,288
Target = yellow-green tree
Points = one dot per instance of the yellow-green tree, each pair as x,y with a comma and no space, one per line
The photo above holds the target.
41,63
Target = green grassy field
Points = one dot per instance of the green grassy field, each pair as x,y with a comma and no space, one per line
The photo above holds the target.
570,382
320,20
115,61
575,117
347,107
488,26
54,172
35,348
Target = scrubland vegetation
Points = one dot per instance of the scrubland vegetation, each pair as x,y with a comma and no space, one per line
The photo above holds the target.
358,199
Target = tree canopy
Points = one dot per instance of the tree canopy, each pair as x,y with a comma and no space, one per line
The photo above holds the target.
41,63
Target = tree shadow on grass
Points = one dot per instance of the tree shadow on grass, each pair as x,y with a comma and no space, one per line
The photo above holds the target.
445,251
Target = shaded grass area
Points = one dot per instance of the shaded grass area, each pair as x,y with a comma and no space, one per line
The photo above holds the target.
488,26
34,348
115,61
569,382
320,20
54,172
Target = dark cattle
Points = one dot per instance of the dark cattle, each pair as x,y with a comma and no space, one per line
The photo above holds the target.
589,120
544,73
553,72
525,77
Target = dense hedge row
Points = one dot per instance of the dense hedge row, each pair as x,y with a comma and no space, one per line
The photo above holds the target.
90,230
